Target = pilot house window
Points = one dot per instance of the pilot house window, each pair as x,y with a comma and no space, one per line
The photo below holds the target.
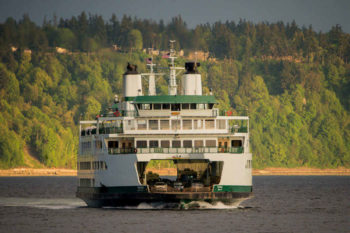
175,107
166,106
157,106
185,106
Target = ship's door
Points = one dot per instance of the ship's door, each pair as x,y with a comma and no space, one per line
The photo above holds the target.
223,144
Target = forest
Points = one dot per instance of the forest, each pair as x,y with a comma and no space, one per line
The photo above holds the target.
294,83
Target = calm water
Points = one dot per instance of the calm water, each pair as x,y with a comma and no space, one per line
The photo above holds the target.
280,204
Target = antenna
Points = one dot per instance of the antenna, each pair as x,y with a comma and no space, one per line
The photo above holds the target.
151,75
151,79
172,76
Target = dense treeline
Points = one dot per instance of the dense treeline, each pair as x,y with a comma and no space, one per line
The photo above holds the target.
238,41
294,82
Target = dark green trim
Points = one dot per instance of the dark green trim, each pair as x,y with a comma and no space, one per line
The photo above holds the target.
129,98
233,188
176,99
143,189
115,189
127,189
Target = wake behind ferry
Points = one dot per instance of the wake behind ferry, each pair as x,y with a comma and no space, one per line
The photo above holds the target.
208,149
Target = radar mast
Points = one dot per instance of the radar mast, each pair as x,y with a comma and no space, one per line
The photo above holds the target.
172,89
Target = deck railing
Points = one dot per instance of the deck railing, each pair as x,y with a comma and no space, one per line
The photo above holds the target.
182,150
241,129
110,130
214,112
113,130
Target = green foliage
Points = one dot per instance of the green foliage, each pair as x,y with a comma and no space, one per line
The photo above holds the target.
11,145
294,82
135,39
9,85
92,106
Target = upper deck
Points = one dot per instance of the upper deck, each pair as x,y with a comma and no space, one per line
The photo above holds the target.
173,114
184,105
176,125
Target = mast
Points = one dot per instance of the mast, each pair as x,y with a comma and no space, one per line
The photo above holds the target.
172,89
151,79
151,75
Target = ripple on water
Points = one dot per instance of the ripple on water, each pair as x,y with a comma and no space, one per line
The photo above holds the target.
46,203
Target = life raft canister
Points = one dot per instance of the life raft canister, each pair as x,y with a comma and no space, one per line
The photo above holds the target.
229,113
116,113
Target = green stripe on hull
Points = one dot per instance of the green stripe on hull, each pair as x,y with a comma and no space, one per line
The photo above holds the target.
143,189
115,189
127,189
232,188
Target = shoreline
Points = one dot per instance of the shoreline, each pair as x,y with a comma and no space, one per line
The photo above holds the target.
38,172
256,172
301,171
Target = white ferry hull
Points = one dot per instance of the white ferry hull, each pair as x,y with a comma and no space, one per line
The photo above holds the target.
121,186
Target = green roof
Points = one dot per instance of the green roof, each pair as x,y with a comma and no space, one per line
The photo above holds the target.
176,99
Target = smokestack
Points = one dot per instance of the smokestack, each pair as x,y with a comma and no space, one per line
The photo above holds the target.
192,81
132,82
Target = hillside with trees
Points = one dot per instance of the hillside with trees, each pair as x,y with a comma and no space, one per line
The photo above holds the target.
294,83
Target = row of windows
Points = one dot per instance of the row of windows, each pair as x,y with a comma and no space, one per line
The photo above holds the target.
85,146
174,107
187,124
176,143
168,144
95,165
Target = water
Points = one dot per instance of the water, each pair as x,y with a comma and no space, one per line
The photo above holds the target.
280,204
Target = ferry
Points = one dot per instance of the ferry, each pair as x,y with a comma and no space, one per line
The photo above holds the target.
208,149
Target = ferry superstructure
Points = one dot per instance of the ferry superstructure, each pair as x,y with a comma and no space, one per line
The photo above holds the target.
209,148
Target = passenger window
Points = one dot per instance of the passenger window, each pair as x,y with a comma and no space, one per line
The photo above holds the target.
157,106
185,106
175,107
166,106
